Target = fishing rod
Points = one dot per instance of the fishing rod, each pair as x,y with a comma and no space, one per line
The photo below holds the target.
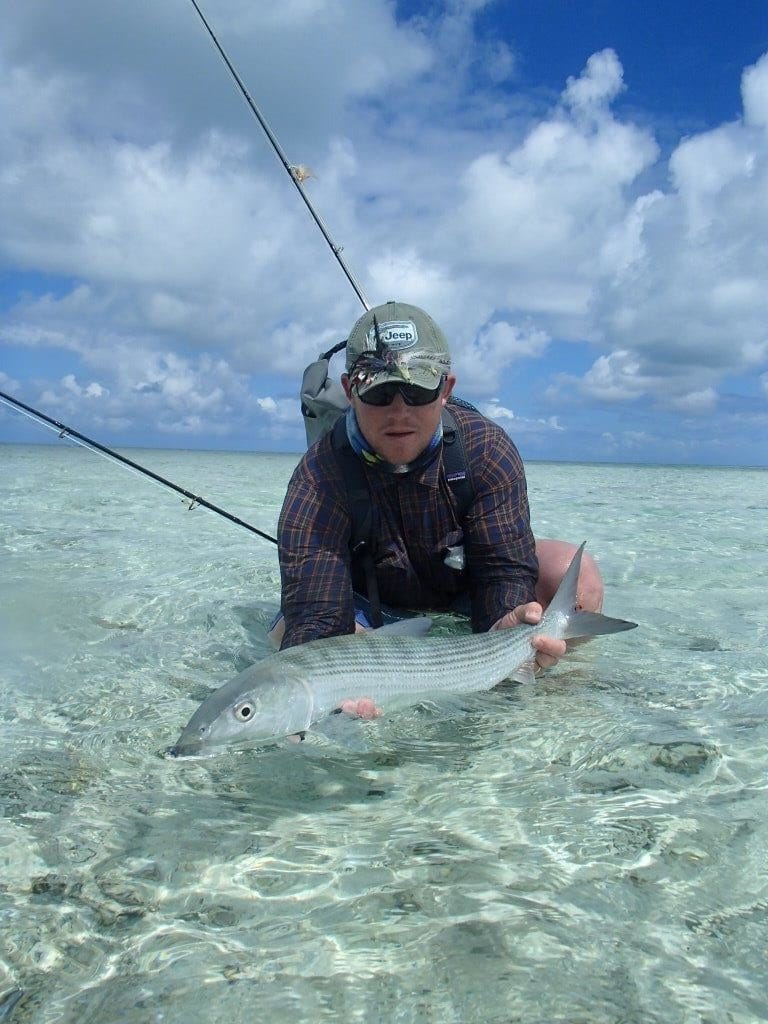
294,172
86,442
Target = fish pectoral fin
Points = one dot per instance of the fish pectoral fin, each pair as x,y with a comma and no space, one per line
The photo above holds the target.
526,673
341,731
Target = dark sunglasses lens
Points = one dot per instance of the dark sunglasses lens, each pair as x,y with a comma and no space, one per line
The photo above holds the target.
384,394
419,396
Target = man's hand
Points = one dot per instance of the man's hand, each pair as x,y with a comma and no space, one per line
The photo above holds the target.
548,650
362,707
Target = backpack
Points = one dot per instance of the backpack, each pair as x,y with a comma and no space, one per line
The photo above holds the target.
322,400
323,404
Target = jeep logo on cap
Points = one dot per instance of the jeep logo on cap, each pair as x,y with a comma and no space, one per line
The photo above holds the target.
395,334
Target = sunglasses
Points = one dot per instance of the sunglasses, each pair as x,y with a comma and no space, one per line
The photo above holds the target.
384,394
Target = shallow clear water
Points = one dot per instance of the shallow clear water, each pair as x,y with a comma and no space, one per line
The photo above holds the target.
591,849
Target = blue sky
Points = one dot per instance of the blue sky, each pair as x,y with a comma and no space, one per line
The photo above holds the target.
577,192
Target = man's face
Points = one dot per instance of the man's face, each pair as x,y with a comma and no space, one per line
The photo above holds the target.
399,433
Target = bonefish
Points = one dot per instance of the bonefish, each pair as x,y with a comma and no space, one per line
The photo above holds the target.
290,691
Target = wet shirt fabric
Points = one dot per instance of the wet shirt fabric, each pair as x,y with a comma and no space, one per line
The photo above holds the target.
415,522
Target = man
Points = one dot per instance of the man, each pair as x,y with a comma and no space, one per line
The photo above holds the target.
428,553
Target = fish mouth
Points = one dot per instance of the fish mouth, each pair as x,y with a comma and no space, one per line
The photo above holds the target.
184,750
192,742
171,753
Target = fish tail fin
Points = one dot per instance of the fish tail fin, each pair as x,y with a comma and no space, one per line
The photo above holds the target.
594,624
582,624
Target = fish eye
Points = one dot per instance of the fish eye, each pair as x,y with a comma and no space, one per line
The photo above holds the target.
243,711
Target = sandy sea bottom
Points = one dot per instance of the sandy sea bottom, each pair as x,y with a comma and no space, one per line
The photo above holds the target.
591,849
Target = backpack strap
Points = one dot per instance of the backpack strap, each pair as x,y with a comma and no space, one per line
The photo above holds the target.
361,513
457,471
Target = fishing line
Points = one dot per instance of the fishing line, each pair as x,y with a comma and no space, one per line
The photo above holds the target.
65,432
292,170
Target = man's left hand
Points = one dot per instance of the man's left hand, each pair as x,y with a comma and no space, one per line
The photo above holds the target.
548,649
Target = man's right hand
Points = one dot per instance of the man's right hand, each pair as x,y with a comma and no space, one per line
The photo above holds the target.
548,649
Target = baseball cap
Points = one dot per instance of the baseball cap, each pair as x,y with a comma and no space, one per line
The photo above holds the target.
397,342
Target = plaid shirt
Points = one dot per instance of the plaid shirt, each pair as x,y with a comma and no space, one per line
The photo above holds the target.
415,521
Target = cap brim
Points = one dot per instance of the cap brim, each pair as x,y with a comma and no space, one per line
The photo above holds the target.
421,376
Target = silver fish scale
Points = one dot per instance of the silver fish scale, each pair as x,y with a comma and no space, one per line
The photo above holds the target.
380,666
